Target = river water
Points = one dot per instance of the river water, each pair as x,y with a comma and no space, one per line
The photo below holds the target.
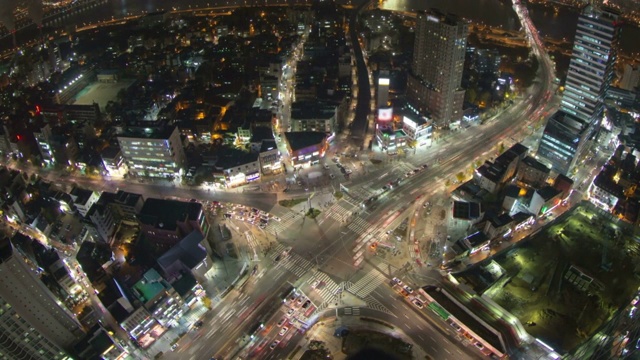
491,12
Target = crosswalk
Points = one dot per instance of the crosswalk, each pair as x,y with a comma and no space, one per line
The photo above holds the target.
329,288
279,227
341,210
376,305
359,225
293,263
361,192
367,284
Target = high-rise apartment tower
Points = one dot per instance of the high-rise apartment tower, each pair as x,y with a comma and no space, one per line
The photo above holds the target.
436,71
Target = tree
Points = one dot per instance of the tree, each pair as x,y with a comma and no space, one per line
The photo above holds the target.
206,302
471,95
460,176
500,148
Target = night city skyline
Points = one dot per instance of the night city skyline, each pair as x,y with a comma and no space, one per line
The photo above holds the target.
309,179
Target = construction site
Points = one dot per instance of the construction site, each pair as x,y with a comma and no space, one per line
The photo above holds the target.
567,281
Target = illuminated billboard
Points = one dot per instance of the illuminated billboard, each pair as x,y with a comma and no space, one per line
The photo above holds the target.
383,81
385,114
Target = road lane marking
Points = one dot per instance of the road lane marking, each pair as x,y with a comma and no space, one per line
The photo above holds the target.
419,327
447,350
431,337
405,315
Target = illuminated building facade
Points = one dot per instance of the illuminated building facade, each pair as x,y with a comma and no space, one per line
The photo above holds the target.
434,84
418,130
383,88
153,152
32,323
306,148
591,71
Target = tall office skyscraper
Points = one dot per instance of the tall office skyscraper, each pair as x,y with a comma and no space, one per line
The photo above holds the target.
32,323
591,71
438,61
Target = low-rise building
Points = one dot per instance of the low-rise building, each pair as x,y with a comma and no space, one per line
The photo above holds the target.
532,172
270,158
159,298
83,199
313,116
544,200
236,167
390,140
418,130
306,148
189,255
166,222
113,161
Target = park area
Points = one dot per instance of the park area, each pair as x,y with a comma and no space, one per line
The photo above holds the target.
567,280
375,345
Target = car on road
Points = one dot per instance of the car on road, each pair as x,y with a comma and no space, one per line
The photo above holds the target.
315,284
300,299
396,281
283,331
174,347
479,345
274,344
331,176
290,312
418,303
456,326
306,304
425,205
408,289
349,171
326,166
281,322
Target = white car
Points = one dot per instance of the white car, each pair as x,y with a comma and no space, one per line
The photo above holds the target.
315,284
283,331
418,303
397,281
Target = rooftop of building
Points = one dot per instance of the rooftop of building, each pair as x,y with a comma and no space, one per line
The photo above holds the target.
307,110
231,157
127,198
304,139
188,251
159,132
439,16
512,191
477,238
606,183
500,220
261,133
80,195
184,284
149,286
548,192
165,214
466,210
268,145
533,163
491,171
